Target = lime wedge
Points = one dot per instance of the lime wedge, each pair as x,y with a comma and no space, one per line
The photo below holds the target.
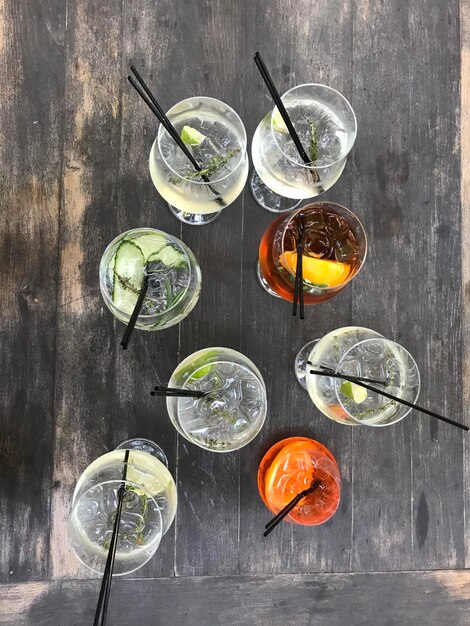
201,372
354,392
278,123
191,136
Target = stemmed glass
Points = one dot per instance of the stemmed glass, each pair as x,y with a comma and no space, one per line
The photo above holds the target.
149,507
326,125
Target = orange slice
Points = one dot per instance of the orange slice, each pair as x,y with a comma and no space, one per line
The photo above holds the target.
318,271
291,472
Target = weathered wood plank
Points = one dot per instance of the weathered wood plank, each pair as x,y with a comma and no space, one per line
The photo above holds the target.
401,599
381,498
430,308
146,36
31,98
465,229
208,516
321,52
91,398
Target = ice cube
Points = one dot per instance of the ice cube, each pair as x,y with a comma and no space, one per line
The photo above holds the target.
87,510
314,220
346,250
337,226
317,244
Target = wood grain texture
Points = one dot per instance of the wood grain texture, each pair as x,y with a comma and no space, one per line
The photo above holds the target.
31,100
271,336
391,599
382,196
431,324
207,540
465,200
74,145
86,376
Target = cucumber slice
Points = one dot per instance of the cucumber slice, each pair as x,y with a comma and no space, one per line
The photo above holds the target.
171,257
150,244
128,275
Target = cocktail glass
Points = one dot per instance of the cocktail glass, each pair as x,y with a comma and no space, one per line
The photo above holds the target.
361,352
326,125
216,137
293,465
174,278
334,250
234,409
149,507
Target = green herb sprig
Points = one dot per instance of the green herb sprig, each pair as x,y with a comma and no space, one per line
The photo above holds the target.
216,163
313,146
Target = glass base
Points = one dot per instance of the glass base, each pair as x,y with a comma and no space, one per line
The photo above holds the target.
144,445
300,363
268,199
194,219
264,283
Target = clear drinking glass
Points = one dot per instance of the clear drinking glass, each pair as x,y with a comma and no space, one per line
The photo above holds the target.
174,278
334,247
326,125
234,410
292,465
361,352
149,507
216,137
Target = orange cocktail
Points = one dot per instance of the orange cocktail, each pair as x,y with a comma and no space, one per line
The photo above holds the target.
291,466
334,247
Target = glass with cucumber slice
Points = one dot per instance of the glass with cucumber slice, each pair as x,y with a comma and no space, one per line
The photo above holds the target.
174,278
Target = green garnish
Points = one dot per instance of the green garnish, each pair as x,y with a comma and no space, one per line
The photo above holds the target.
139,537
126,283
209,442
214,165
313,147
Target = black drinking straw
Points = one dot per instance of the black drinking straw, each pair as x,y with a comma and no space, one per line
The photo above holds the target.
157,110
135,313
164,390
388,395
103,600
282,109
271,525
299,277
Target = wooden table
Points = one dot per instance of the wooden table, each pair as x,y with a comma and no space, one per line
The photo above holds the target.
74,142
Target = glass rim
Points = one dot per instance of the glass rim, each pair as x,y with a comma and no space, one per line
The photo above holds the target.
338,382
223,349
141,549
321,204
254,369
304,165
104,268
329,456
162,130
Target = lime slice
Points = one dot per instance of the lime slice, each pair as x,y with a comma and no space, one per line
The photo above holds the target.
201,372
191,136
354,392
278,123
